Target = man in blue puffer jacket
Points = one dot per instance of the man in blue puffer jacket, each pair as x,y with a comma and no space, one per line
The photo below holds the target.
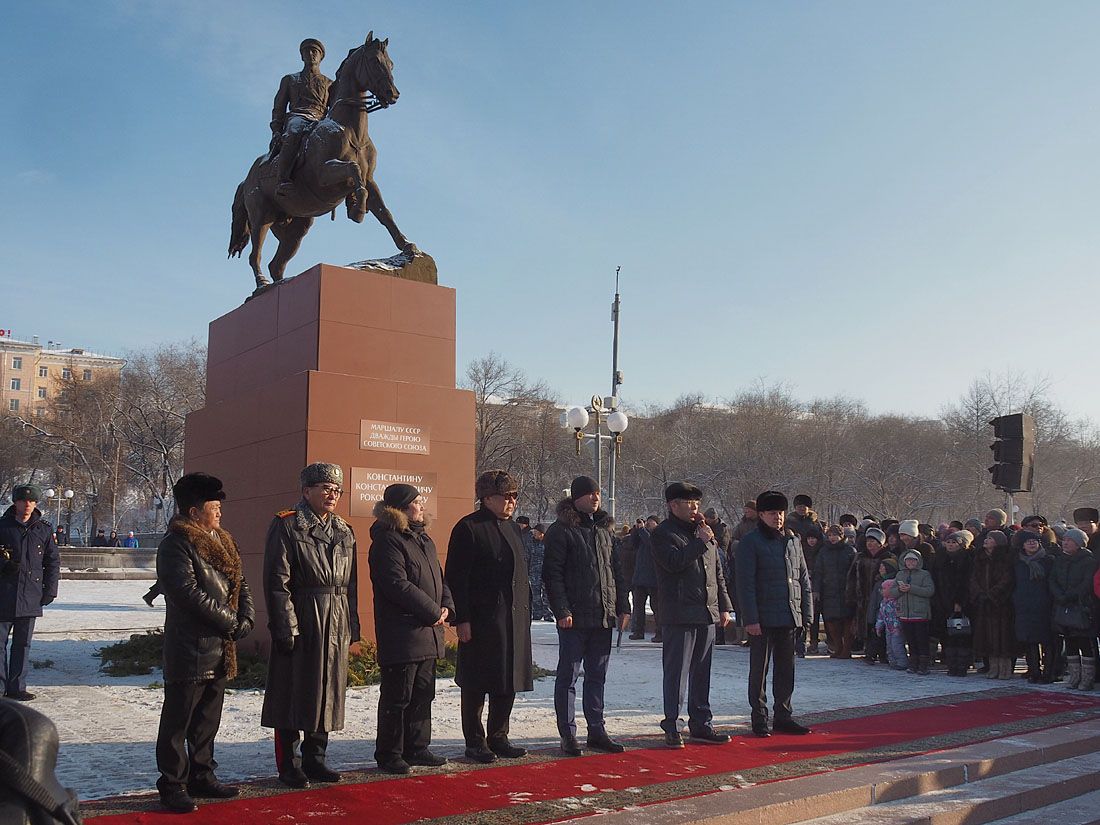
774,594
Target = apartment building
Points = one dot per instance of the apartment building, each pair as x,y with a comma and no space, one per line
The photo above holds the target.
32,374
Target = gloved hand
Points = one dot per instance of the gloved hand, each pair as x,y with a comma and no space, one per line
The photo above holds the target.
47,600
243,629
229,634
284,644
11,567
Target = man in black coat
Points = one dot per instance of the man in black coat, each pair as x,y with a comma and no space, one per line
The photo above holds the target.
774,592
29,569
487,575
587,591
692,599
208,608
411,604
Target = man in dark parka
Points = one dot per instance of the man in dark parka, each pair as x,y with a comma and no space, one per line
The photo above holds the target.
774,591
587,592
28,582
312,607
411,604
691,591
487,575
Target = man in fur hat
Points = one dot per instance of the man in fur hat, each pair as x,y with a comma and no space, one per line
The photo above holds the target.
312,608
30,566
774,592
1086,519
487,575
587,591
208,609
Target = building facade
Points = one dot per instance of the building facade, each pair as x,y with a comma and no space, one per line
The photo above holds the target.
31,375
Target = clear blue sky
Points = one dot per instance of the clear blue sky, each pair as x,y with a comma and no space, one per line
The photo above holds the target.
880,199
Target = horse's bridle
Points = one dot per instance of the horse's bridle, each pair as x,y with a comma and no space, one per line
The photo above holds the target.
368,103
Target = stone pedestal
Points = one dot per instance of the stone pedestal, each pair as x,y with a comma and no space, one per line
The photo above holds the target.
341,365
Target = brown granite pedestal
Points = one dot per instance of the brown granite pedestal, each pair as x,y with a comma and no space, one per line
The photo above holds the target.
341,365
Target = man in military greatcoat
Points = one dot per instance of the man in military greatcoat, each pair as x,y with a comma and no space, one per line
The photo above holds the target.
29,569
312,608
487,576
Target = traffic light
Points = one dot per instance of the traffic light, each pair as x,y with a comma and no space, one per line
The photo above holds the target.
1014,452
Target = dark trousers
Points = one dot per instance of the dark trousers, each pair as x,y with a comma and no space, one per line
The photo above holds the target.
838,636
1081,645
314,747
13,667
874,646
638,599
774,647
590,647
686,656
189,721
405,709
916,638
500,708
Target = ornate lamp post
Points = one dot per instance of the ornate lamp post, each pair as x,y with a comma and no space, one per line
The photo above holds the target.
59,495
603,413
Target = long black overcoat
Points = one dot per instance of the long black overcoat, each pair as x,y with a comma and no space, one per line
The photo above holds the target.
487,575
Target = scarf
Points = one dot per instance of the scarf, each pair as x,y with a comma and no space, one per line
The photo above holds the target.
1035,569
218,549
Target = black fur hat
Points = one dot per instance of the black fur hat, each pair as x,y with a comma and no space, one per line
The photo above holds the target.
771,500
684,490
195,489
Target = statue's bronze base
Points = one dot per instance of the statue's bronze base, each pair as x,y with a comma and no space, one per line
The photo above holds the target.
412,265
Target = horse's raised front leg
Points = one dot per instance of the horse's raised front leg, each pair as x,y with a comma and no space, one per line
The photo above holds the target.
344,178
379,210
290,238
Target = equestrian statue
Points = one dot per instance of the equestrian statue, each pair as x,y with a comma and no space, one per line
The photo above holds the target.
320,154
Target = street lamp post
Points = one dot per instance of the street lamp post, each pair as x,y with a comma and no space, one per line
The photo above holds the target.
602,412
59,495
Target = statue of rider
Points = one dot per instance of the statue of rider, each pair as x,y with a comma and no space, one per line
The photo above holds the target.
301,101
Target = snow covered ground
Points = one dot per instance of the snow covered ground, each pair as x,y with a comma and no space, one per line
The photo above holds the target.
108,725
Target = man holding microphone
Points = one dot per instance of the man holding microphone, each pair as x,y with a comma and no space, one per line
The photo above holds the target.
691,601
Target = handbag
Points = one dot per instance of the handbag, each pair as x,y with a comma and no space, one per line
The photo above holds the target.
1071,619
958,625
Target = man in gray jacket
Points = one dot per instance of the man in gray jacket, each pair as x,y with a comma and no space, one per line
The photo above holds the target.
692,600
774,594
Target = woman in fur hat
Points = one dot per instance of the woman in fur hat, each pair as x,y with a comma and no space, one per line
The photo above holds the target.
991,583
411,604
208,609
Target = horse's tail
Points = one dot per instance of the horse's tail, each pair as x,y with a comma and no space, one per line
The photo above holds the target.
239,232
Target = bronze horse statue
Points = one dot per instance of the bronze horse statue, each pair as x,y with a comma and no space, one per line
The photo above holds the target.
336,163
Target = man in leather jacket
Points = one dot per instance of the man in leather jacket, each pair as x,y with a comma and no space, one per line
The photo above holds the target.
313,615
208,608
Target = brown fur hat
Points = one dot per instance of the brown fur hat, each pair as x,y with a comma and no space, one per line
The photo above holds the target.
495,483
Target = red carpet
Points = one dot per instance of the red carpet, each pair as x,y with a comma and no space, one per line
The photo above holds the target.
390,802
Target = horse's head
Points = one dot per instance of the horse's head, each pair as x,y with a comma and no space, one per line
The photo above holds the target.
374,70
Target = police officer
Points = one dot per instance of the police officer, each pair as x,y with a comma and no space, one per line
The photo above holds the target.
29,569
312,607
301,101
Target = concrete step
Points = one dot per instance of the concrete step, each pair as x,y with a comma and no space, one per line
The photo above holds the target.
852,792
1080,810
984,801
